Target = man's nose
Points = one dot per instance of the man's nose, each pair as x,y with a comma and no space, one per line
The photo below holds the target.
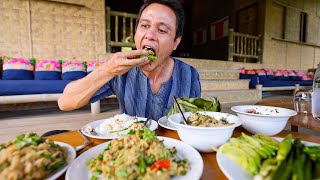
151,34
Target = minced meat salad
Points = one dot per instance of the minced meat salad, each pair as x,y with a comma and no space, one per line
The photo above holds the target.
138,155
197,119
30,157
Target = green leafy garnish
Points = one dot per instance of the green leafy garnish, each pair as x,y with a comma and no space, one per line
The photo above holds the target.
56,165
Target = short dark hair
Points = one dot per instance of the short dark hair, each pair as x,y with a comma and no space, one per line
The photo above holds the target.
174,5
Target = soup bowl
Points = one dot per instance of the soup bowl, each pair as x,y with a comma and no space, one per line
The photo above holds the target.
266,120
205,138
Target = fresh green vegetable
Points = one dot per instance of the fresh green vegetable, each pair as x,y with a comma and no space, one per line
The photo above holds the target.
195,104
284,148
313,152
27,140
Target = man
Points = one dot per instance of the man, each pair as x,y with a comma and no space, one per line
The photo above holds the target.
143,88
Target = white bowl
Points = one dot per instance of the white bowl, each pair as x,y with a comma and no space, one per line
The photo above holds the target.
203,138
271,121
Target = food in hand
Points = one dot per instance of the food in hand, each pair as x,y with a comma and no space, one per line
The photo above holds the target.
30,157
150,53
138,155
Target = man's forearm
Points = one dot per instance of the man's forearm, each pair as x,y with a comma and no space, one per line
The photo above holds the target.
78,93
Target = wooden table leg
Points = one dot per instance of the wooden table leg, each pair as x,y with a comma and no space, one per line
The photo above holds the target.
294,128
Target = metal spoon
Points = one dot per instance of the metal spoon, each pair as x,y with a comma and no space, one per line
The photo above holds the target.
85,144
145,124
184,119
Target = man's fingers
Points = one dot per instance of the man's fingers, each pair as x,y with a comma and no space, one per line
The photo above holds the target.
133,54
136,62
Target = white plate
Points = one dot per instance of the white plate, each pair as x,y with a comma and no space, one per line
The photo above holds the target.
78,170
153,125
233,171
70,154
163,122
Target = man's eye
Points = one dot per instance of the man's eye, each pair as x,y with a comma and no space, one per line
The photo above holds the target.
162,31
144,25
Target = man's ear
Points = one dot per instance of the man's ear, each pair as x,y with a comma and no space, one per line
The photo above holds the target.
177,42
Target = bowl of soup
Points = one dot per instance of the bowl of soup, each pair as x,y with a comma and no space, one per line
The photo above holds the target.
205,130
266,120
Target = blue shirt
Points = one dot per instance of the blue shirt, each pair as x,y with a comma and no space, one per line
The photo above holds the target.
135,95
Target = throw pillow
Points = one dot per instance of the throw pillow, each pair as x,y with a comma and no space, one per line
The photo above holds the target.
250,71
242,71
278,75
91,66
73,70
260,71
270,74
17,69
285,75
47,70
292,75
298,75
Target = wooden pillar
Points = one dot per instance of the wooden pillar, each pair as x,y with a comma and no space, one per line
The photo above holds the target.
108,30
231,45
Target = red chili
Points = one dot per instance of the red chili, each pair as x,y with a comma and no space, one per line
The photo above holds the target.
161,164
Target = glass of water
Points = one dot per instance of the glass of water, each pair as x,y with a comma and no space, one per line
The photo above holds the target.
303,101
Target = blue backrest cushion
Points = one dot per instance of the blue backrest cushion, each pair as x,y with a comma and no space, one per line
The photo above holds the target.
282,78
47,75
271,77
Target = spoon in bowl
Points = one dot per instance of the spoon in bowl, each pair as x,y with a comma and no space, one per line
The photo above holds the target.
184,119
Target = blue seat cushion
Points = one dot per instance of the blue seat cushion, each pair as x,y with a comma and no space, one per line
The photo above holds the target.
22,87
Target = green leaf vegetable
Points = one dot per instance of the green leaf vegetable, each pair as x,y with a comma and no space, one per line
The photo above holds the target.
151,55
195,104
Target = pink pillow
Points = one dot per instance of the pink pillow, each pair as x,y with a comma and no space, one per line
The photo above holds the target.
278,73
242,71
48,65
73,70
17,69
250,71
92,65
291,73
269,72
260,72
47,70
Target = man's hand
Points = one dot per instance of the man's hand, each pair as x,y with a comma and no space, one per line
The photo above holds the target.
122,62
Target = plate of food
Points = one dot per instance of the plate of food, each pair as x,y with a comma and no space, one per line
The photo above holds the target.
139,154
38,157
246,164
116,126
163,122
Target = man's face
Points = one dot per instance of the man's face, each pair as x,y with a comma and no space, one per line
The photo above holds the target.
157,30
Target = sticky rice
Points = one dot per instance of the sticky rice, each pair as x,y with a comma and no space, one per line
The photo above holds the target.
118,123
